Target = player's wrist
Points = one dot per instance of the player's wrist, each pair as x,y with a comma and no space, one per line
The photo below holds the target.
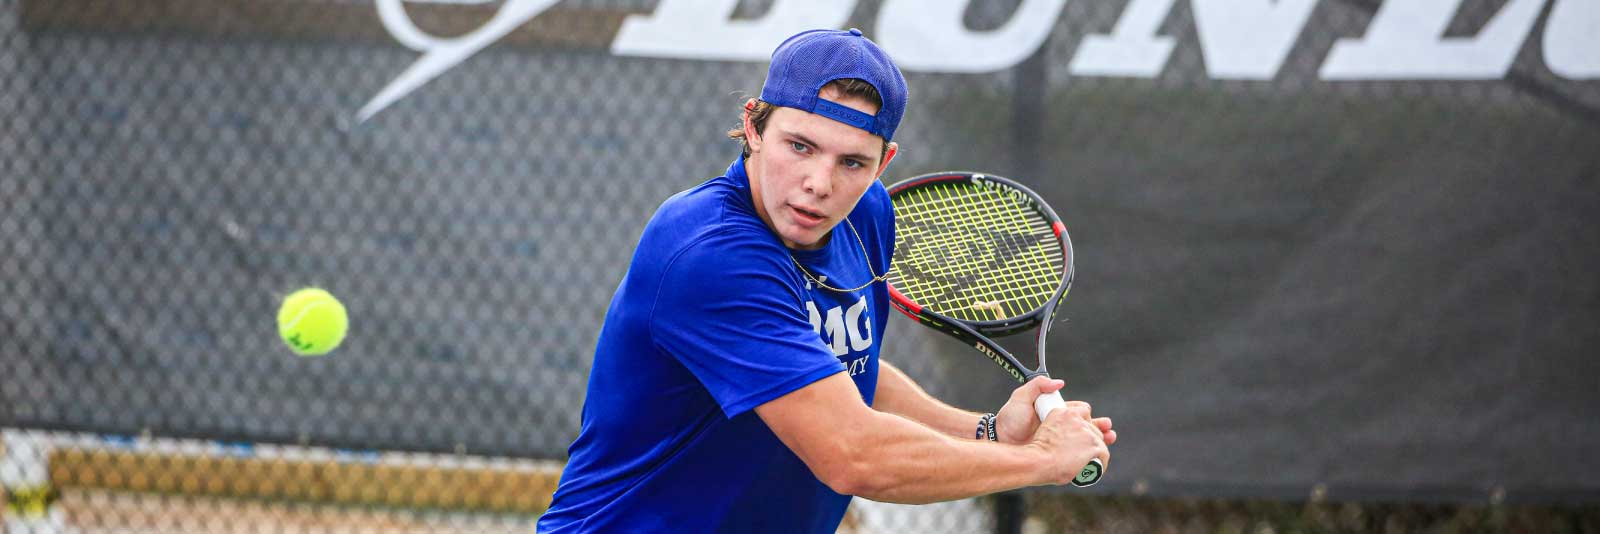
986,428
1041,462
1010,431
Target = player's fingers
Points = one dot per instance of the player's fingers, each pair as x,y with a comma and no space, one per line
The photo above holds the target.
1103,447
1105,453
1049,385
1075,413
1102,442
1103,422
1061,418
1031,390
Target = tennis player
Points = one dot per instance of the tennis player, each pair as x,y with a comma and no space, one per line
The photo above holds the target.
736,384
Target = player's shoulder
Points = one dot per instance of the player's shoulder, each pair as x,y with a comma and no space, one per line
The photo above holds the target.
879,192
710,224
706,204
874,212
876,200
722,258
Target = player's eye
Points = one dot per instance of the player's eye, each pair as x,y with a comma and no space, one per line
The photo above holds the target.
853,163
799,147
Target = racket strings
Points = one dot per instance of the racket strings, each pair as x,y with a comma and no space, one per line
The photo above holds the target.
974,253
1003,293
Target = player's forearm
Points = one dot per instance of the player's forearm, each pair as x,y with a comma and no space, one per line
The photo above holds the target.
899,395
903,462
857,450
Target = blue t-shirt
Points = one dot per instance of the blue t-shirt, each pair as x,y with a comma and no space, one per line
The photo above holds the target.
711,320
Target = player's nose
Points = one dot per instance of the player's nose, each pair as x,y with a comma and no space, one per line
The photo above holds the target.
819,181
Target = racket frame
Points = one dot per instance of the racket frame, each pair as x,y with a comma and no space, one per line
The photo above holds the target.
979,334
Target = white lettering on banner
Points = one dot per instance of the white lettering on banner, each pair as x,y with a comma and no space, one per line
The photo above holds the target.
1249,39
843,331
1133,49
439,55
928,35
1240,39
1572,39
1406,41
704,29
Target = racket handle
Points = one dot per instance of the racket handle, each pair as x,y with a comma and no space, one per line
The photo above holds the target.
1047,403
1090,474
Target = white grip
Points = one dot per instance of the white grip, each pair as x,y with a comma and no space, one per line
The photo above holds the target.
1047,403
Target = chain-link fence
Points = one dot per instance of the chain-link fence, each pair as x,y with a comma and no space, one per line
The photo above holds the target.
67,482
169,169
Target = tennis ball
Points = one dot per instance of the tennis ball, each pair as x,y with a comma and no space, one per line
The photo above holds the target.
312,322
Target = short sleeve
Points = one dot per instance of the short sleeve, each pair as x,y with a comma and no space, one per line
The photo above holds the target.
730,311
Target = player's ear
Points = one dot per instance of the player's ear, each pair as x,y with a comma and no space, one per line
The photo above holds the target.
752,138
888,156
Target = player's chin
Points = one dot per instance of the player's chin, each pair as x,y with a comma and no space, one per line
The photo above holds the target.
803,238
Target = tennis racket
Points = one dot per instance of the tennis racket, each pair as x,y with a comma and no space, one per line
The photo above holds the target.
978,256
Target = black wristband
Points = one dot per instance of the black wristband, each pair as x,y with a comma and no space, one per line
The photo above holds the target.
986,428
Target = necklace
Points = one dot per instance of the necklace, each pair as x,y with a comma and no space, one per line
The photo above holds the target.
875,278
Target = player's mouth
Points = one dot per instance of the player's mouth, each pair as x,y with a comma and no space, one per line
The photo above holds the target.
805,217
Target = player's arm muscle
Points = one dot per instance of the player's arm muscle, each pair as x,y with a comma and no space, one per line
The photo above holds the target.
899,395
857,450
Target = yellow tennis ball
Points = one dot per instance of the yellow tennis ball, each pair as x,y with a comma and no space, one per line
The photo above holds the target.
312,322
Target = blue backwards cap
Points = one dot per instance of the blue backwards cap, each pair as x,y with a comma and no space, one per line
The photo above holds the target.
809,60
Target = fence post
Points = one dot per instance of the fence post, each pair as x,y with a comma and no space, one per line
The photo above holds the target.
1010,510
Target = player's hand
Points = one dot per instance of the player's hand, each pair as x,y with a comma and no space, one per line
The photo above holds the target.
1017,420
1069,438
